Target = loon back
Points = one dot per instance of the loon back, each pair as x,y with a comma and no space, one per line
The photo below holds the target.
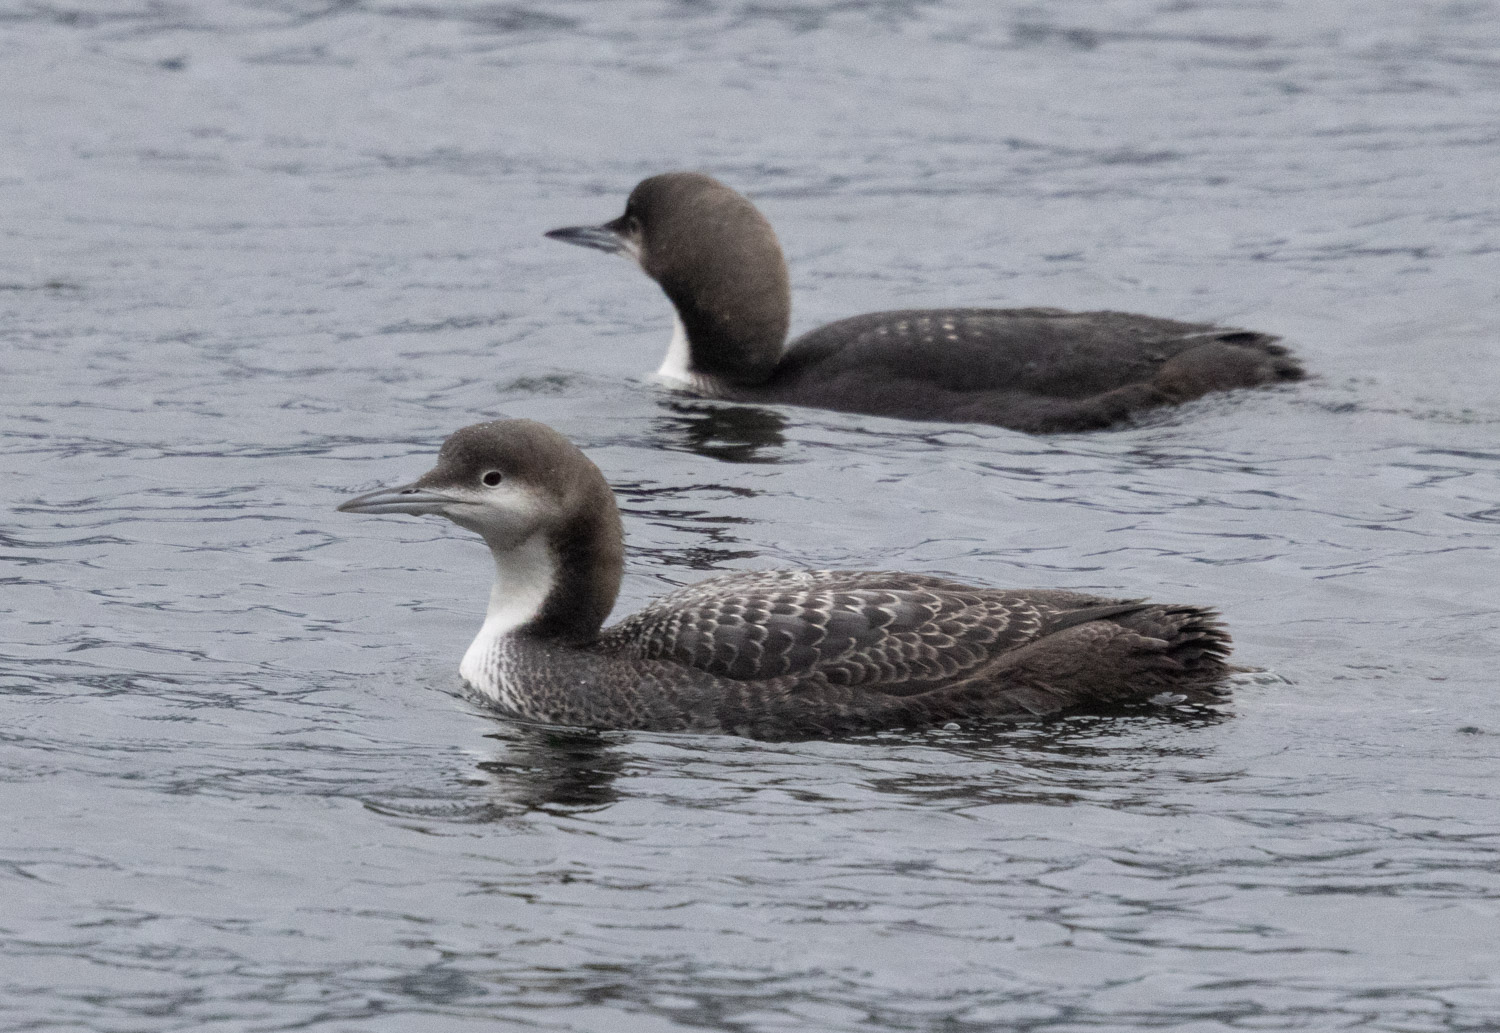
801,653
1038,370
773,654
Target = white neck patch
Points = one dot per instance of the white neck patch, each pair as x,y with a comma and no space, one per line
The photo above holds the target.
676,370
524,577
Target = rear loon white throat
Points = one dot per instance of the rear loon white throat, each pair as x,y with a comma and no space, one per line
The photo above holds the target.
1033,369
771,654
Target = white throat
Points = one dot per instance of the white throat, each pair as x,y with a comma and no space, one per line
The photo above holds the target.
676,369
524,577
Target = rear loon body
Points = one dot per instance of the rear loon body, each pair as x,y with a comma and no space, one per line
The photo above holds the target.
1033,369
773,654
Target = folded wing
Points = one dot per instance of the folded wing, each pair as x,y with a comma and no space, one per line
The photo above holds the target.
896,634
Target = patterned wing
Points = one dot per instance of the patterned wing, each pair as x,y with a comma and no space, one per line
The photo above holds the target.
901,633
1036,350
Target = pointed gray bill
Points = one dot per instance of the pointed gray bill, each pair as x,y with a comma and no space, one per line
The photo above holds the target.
407,498
602,238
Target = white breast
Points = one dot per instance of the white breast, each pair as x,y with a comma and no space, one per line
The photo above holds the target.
523,580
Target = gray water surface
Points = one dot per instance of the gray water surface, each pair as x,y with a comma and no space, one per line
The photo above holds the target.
256,256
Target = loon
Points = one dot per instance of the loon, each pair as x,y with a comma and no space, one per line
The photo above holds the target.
775,654
1041,370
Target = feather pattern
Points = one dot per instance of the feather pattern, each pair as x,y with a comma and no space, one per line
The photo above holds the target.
832,651
773,654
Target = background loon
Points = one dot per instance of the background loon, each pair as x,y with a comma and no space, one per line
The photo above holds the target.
1033,369
772,654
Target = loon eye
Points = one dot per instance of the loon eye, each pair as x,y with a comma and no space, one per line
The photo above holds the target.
492,478
633,225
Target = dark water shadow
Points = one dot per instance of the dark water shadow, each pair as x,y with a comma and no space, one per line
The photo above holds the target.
1121,753
728,433
1057,761
548,769
537,768
701,539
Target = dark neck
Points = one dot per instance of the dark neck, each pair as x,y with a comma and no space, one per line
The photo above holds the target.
590,562
739,348
589,553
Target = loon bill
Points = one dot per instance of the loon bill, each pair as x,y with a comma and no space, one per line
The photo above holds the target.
773,654
1040,370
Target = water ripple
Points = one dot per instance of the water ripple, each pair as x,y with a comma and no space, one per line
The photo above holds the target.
268,254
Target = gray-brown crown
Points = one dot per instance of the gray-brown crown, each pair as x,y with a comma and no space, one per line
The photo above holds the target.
584,531
717,259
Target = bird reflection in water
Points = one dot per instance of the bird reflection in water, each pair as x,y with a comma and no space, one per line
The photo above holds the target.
547,768
729,433
1118,753
536,769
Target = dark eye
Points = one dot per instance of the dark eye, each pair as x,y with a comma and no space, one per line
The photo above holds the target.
633,225
492,478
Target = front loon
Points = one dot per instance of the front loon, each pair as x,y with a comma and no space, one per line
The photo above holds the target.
1040,370
771,654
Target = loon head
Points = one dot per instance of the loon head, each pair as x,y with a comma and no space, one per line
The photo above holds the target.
543,508
718,260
